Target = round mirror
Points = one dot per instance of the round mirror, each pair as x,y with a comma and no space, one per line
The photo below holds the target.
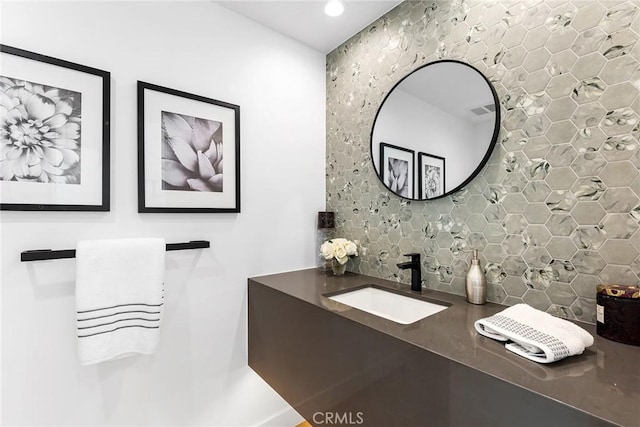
435,130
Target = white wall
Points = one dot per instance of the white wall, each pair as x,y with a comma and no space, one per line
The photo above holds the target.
482,133
196,47
410,122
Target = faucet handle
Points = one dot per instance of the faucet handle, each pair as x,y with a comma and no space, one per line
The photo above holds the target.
415,257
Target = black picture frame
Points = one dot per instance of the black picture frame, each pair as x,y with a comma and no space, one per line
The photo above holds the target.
391,176
432,182
182,140
76,156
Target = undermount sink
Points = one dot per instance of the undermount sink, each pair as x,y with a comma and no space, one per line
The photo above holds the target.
392,306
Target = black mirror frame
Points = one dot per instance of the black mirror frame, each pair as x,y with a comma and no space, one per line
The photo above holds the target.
492,144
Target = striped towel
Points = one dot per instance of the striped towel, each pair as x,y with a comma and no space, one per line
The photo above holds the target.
119,297
534,334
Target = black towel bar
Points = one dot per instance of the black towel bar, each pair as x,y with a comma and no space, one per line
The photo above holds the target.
43,254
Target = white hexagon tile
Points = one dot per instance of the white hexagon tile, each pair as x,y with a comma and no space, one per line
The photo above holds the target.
556,211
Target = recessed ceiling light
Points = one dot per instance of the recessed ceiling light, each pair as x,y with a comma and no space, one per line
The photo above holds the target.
334,7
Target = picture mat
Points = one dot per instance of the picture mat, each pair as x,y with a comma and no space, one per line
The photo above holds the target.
89,191
154,103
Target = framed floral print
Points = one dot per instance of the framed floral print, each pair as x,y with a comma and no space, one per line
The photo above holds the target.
431,175
397,169
54,134
188,152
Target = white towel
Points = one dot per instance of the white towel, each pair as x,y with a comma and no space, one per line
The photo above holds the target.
536,335
119,297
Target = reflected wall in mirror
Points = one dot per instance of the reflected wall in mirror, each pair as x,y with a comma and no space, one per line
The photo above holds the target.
448,113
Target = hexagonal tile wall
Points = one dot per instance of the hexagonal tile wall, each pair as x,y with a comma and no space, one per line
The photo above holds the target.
556,211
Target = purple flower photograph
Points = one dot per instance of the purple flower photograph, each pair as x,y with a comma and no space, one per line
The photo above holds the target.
182,141
398,176
397,169
191,153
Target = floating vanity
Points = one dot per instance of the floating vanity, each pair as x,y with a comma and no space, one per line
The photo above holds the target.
327,357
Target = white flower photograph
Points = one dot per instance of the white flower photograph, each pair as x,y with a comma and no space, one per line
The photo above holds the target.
54,134
432,181
431,175
39,132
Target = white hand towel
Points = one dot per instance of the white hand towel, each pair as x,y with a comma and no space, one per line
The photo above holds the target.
536,335
119,297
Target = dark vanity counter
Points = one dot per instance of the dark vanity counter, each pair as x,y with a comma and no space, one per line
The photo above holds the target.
603,382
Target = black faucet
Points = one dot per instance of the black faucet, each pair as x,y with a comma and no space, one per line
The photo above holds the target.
416,271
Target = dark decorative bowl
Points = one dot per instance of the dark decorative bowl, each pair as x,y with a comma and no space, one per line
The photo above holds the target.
618,313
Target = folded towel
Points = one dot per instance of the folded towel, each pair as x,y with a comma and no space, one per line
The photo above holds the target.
536,370
119,297
536,335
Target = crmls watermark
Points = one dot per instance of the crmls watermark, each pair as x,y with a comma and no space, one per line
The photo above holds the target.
345,418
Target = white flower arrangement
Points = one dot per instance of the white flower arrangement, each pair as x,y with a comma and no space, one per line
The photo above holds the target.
339,249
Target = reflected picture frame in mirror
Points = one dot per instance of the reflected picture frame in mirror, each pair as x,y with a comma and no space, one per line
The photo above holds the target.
431,176
418,112
398,172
